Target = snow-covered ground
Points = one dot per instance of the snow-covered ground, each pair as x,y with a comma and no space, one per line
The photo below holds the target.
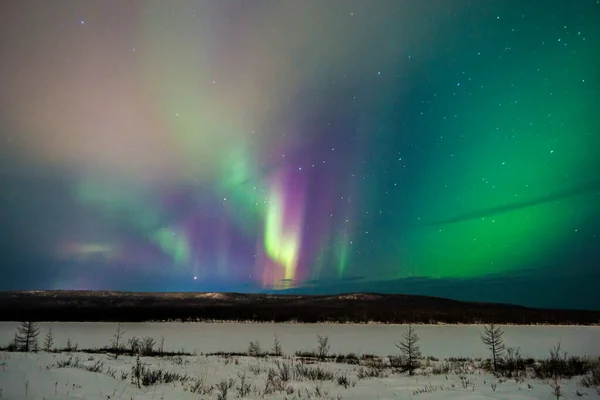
25,376
39,376
442,341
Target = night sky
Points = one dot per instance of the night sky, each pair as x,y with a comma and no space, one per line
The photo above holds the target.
439,147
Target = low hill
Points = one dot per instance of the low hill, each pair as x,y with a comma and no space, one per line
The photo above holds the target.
350,307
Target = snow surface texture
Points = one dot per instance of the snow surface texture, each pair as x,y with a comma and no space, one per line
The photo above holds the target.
442,341
25,376
36,375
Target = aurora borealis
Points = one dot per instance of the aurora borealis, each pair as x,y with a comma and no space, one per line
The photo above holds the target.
316,146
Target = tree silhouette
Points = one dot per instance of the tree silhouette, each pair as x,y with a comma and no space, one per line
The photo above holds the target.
492,338
26,338
48,340
116,342
410,349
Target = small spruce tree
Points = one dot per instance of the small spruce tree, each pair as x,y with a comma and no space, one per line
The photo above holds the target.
492,337
48,340
26,338
410,350
276,351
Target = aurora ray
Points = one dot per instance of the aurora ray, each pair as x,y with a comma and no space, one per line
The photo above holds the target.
327,146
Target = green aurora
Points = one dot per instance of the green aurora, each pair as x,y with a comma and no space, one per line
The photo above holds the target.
309,147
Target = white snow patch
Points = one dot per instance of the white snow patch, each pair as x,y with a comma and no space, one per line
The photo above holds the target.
356,296
216,296
33,377
442,341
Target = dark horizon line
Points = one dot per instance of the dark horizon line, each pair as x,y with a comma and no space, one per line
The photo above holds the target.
284,294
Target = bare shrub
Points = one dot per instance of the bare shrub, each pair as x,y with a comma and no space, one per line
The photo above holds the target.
430,389
143,376
323,347
305,354
254,349
111,372
465,382
255,369
314,373
134,344
560,365
98,366
513,365
151,377
244,387
116,343
342,380
136,372
441,369
592,379
396,362
372,371
147,346
222,389
71,362
350,358
319,392
556,388
273,384
200,386
284,370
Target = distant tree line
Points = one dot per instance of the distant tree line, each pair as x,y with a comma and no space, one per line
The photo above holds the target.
346,313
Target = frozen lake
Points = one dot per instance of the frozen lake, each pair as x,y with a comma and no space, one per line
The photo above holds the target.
442,341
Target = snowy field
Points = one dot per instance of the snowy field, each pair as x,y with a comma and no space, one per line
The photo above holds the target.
442,341
77,375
